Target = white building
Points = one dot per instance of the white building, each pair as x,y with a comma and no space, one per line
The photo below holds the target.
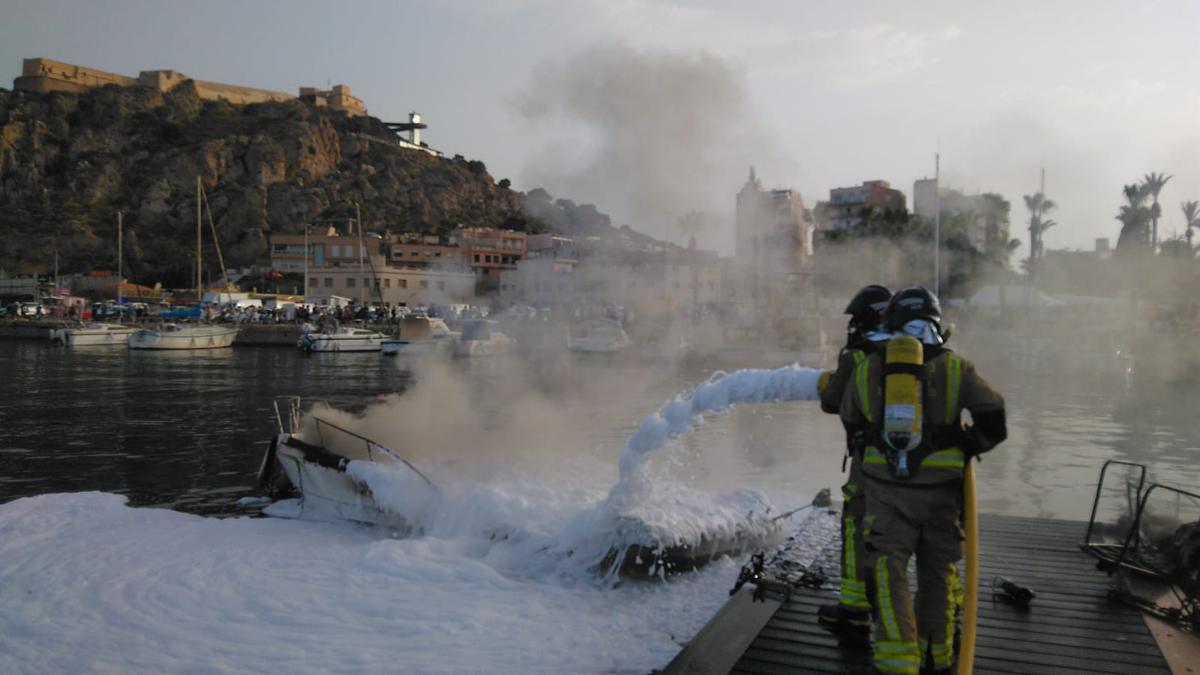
980,208
395,285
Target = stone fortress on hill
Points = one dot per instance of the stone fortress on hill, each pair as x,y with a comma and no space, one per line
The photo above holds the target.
44,75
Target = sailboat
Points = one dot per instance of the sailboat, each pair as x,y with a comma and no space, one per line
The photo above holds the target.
188,335
98,333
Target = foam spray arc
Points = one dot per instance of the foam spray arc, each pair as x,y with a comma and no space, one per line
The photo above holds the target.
641,522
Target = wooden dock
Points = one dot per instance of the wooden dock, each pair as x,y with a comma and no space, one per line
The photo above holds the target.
1071,626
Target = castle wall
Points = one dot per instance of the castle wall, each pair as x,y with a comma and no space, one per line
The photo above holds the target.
45,75
215,91
338,98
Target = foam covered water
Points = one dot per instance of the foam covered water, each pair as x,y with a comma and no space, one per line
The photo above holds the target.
645,507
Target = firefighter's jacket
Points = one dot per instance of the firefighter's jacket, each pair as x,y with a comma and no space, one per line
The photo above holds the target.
950,386
835,388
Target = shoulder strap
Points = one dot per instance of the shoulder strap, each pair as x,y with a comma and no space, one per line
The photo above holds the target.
953,385
861,372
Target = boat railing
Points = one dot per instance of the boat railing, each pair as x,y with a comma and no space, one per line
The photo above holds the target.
373,448
292,405
1136,549
1108,551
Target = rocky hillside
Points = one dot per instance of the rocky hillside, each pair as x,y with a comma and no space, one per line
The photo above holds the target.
69,162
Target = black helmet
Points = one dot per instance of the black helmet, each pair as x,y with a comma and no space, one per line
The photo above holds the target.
868,304
914,302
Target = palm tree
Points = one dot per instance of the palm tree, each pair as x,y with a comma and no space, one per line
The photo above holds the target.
1153,183
995,221
1191,218
1043,226
1038,207
1135,219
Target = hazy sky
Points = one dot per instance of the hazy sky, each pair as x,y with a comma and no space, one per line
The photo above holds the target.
650,109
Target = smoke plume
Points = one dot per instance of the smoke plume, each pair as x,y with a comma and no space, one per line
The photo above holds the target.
650,136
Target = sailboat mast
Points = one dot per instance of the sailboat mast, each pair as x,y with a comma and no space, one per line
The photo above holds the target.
120,260
199,234
362,293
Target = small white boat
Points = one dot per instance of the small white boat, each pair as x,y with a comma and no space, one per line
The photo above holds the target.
183,336
598,335
419,336
344,339
92,334
481,337
309,461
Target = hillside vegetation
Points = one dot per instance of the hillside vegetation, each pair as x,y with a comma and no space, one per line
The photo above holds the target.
69,162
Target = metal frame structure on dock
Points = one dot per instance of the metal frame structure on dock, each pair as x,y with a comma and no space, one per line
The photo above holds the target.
1071,626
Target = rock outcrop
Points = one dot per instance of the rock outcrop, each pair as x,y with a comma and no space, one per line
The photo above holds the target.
69,162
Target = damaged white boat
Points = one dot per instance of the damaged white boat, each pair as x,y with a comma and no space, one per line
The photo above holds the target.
317,470
308,471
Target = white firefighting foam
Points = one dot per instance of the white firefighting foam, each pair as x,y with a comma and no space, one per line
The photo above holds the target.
644,507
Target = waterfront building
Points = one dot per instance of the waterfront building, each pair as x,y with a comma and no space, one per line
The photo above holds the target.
847,205
381,283
774,243
488,252
326,249
987,213
543,281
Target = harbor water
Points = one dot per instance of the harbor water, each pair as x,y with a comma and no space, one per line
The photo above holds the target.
187,430
521,446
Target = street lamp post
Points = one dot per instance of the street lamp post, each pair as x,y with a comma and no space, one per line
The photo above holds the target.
937,224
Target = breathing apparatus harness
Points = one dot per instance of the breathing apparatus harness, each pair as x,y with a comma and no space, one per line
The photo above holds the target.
898,430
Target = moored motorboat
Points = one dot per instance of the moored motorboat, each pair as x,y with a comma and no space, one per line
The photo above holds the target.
481,337
343,339
598,335
419,336
93,334
183,336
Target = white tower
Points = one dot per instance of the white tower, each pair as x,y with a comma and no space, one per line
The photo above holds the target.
414,133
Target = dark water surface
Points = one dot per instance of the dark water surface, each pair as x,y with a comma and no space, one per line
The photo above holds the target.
178,429
187,430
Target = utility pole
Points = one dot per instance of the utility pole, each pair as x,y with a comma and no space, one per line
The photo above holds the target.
1042,192
937,224
306,263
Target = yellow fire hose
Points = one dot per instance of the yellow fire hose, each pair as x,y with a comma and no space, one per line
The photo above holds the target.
966,648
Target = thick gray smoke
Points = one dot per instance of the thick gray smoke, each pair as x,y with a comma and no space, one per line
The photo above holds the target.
651,136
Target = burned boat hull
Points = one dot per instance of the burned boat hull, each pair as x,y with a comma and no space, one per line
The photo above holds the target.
650,559
325,490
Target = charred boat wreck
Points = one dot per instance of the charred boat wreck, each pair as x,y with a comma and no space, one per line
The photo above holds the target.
307,471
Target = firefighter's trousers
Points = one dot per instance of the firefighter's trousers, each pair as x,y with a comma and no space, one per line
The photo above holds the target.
902,521
852,594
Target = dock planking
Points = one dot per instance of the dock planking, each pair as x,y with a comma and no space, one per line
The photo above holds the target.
1071,626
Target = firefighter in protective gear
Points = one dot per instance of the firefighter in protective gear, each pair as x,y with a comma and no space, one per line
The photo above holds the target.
852,612
907,401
